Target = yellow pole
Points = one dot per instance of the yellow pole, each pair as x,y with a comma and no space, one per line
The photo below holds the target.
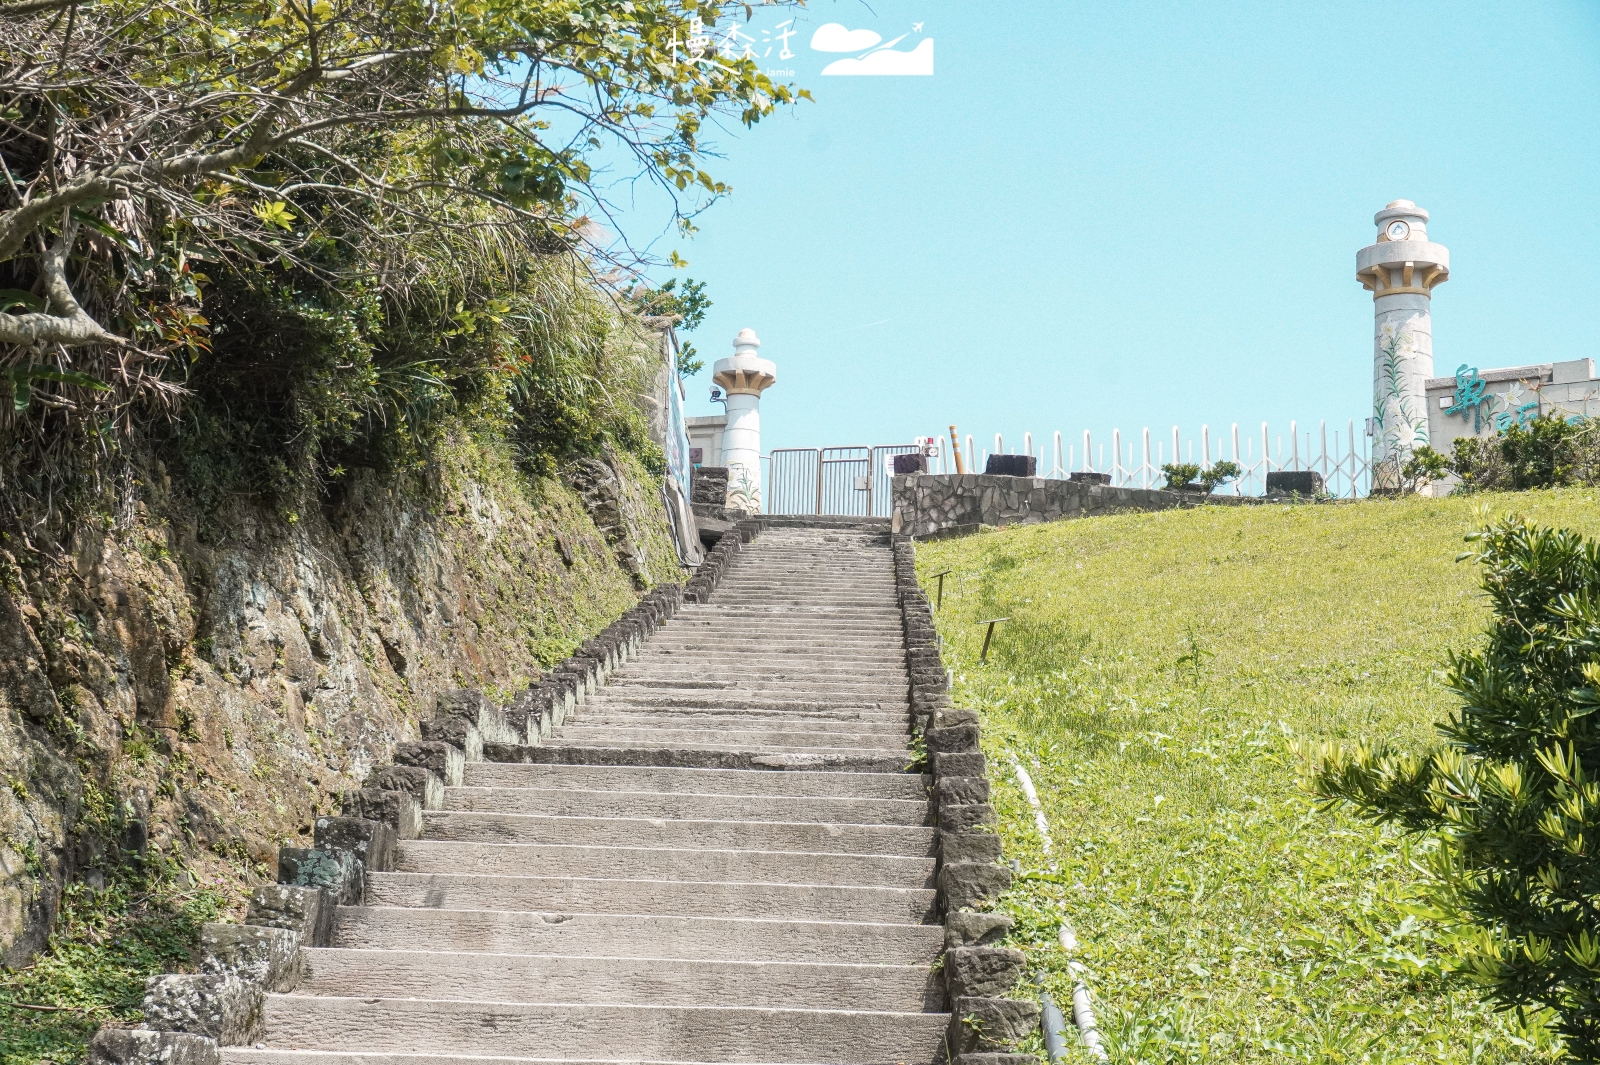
955,449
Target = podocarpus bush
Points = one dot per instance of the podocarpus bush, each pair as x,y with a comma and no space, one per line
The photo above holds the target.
1182,476
1512,796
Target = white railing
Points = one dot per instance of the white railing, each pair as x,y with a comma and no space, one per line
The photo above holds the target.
1342,457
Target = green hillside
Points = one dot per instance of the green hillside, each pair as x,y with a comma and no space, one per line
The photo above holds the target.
1152,674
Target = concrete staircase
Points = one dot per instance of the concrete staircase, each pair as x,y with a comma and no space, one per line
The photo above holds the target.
588,908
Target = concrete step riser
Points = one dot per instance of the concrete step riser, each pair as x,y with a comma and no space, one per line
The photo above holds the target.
782,654
601,1032
776,696
866,723
690,835
811,760
588,935
669,674
634,689
575,895
805,708
726,782
643,863
728,737
715,647
622,752
670,668
637,980
558,803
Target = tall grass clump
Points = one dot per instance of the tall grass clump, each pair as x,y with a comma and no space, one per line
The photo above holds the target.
1155,675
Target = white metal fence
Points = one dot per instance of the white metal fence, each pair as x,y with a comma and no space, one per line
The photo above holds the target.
853,481
1341,455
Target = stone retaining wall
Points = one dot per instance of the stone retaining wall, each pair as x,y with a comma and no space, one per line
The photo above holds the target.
930,505
189,1016
986,1023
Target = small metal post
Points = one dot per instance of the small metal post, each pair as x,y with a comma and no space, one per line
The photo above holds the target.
989,635
819,481
955,451
941,575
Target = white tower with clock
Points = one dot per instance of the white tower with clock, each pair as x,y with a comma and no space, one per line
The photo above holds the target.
1400,270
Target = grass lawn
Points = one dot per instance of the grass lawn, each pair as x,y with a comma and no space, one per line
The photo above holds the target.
1154,671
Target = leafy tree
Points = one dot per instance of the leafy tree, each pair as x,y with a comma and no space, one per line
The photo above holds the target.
1513,794
141,137
689,306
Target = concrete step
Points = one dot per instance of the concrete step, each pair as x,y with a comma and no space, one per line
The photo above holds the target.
842,629
636,980
705,865
796,614
799,608
555,802
460,891
911,787
601,1032
741,641
772,698
888,758
642,690
731,627
590,935
729,738
743,835
596,714
810,760
786,653
690,677
815,602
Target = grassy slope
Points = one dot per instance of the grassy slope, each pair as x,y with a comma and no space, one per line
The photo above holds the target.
1222,916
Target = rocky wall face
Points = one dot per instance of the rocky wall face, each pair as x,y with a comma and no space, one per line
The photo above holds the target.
208,693
935,504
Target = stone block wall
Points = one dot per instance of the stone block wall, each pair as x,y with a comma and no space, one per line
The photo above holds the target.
928,505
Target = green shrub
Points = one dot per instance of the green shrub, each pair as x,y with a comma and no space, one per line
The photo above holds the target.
1182,476
1512,797
1548,452
1219,474
1424,467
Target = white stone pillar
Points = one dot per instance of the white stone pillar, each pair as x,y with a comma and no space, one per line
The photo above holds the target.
1400,270
744,377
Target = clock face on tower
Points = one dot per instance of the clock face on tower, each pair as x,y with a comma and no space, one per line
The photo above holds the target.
1398,230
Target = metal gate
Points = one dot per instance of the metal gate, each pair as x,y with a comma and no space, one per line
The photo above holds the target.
852,481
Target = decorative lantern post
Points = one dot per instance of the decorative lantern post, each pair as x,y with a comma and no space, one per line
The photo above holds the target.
1400,270
744,377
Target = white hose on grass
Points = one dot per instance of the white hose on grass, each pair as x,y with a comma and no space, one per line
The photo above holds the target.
1082,1007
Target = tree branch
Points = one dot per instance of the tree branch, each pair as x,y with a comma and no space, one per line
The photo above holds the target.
69,325
32,7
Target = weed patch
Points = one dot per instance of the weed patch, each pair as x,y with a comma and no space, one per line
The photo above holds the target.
105,944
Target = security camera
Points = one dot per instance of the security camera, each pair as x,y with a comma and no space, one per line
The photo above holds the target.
717,396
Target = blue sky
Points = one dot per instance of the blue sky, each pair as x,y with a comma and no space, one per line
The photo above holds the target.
1099,216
